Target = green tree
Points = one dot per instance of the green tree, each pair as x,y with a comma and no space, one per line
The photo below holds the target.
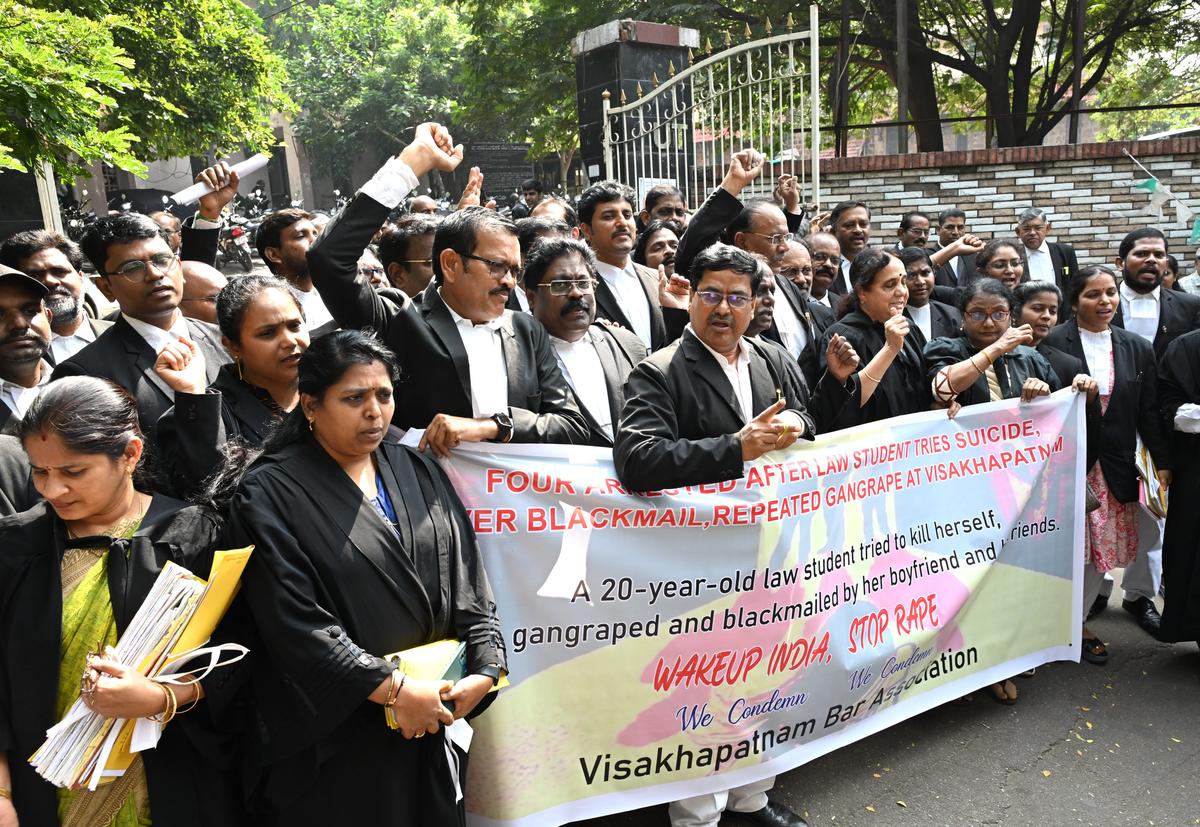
125,82
365,72
58,74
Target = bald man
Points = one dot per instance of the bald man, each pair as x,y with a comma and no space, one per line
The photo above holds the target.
201,284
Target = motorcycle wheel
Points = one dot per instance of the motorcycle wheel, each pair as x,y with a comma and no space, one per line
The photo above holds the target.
244,260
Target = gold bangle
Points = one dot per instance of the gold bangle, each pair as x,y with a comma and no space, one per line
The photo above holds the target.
172,705
195,684
872,378
976,366
5,792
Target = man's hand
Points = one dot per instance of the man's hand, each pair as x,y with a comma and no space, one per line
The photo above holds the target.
467,693
445,433
471,193
432,148
788,191
764,433
746,166
224,182
841,359
181,365
817,225
673,291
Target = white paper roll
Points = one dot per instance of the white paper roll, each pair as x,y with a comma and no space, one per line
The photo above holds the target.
243,168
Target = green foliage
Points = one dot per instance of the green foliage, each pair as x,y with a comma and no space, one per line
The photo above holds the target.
365,72
58,74
125,82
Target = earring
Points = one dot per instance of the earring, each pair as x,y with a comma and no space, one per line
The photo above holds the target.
238,362
310,425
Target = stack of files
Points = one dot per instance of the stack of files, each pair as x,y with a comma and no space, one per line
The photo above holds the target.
85,749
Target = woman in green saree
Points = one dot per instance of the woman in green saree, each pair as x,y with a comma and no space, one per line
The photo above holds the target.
73,571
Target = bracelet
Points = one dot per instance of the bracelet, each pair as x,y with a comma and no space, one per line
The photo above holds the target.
5,792
872,378
195,698
976,366
394,688
167,714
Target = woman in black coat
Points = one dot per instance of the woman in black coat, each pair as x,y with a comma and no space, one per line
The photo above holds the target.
362,549
889,346
1122,363
263,329
75,569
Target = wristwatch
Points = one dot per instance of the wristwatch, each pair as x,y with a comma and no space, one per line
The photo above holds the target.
504,427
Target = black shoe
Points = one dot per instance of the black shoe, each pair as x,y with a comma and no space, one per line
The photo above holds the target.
775,815
1142,608
1098,605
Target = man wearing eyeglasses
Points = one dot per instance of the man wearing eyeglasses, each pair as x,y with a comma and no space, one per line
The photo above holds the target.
138,271
695,413
560,281
473,371
1048,260
406,252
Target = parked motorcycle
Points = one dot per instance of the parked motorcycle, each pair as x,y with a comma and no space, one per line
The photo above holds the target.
233,245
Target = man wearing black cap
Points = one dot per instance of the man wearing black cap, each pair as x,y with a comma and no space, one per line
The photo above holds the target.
24,342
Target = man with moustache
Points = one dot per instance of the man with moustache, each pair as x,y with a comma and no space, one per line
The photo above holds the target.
1158,316
138,269
913,230
57,262
935,319
560,282
283,240
473,370
406,252
695,413
826,255
633,296
1046,260
952,225
24,343
850,222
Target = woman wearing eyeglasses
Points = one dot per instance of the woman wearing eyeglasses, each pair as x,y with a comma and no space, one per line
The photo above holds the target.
990,360
889,346
1001,259
1122,363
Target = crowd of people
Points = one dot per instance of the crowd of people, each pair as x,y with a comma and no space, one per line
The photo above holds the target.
265,410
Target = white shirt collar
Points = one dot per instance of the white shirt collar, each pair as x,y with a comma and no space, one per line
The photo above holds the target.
1131,295
495,324
156,337
1044,247
612,271
743,356
22,397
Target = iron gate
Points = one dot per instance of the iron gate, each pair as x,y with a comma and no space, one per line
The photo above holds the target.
686,129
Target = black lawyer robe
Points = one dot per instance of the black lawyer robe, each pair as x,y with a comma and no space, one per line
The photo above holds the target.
904,389
1179,384
191,774
191,435
1012,369
332,588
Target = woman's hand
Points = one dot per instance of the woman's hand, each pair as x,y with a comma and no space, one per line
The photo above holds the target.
895,329
1086,384
116,691
1165,478
418,709
841,359
181,365
1013,338
1034,388
467,693
8,814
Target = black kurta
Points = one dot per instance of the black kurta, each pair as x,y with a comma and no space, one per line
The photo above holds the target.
1012,369
1179,384
191,773
904,389
332,588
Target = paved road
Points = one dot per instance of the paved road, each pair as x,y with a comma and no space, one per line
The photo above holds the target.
1087,745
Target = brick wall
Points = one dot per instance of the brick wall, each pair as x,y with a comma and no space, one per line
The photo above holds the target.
1084,187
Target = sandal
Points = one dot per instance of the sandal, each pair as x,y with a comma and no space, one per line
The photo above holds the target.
1004,692
1094,650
